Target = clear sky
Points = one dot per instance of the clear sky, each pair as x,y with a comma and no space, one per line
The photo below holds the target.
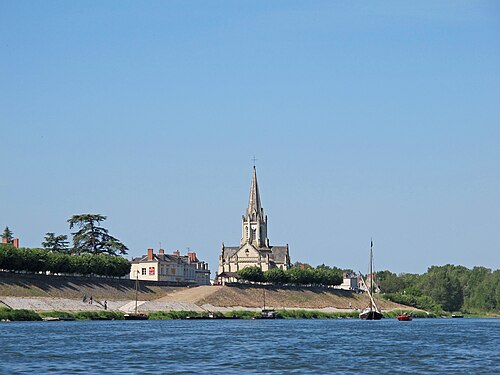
367,119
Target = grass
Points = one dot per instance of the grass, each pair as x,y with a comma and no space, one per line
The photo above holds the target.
18,315
29,315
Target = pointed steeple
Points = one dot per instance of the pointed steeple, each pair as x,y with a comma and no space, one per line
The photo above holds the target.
254,224
254,207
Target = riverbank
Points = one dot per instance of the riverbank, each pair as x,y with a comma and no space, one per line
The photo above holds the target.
8,315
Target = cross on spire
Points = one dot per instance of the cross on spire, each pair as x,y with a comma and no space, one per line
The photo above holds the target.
254,160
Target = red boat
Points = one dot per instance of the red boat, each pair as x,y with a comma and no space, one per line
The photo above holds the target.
404,318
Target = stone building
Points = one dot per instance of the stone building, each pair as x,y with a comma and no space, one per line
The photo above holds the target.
170,267
254,248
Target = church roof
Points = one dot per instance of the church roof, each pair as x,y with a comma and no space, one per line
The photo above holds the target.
278,254
230,251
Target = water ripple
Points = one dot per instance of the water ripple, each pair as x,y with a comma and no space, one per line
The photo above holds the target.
262,347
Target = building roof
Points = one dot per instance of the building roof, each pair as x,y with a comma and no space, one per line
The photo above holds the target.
277,254
164,258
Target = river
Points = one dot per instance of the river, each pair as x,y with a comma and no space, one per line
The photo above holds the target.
453,346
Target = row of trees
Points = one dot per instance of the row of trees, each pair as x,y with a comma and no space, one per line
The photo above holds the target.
42,260
297,275
449,287
90,237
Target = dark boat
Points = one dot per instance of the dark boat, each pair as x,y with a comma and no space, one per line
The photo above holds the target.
136,315
372,312
457,316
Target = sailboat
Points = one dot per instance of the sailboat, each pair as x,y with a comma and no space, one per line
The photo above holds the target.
266,313
136,315
372,312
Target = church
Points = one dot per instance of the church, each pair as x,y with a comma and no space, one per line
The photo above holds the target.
254,249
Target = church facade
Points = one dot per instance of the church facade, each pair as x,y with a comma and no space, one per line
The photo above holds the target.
254,248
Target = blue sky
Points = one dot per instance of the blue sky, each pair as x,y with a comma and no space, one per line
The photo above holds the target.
367,119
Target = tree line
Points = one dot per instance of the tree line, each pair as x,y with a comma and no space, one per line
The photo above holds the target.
90,237
42,260
93,252
299,274
448,288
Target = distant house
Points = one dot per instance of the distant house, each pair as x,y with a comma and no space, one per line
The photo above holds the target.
170,267
365,286
15,242
349,282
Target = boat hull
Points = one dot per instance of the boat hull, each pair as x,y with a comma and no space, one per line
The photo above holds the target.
135,317
404,318
370,315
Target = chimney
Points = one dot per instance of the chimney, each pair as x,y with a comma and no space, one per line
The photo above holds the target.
161,251
192,257
177,253
150,254
4,241
16,243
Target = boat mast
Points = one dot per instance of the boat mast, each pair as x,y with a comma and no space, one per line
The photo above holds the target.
371,272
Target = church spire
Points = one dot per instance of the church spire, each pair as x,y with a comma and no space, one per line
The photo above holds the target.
254,225
254,207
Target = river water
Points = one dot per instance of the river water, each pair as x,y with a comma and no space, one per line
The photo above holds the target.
452,346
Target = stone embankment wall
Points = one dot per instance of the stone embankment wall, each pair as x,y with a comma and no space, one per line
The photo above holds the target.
75,287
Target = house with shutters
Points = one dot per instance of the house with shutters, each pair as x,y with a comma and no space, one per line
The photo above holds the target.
170,267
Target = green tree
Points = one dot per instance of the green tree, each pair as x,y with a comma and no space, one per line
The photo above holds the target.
390,282
56,244
275,276
444,288
8,235
253,274
91,238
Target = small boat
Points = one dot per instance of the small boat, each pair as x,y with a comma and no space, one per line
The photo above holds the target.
404,317
457,316
372,312
136,315
266,313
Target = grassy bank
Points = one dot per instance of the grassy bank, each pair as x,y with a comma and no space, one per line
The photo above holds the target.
29,315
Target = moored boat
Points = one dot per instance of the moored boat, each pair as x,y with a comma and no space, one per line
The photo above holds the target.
266,313
404,317
372,312
136,315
